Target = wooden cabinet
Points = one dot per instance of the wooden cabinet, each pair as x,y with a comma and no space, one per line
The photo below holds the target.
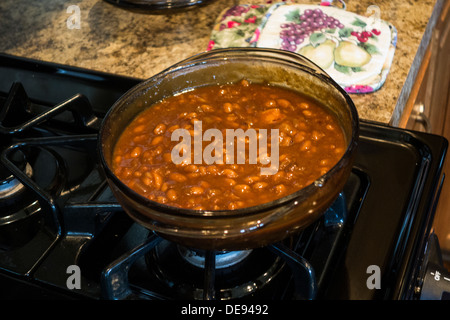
429,107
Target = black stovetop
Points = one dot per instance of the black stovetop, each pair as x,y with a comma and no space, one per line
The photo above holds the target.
66,216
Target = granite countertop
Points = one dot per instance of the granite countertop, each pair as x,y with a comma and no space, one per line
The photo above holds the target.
114,40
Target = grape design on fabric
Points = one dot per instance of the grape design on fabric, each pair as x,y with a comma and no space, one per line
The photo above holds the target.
304,25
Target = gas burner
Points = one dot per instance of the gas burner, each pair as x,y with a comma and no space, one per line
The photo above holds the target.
19,210
35,178
10,187
223,259
160,268
187,273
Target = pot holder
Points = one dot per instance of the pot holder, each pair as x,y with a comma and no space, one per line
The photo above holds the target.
238,26
356,51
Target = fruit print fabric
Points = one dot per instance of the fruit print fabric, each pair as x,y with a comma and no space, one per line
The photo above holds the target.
237,26
355,51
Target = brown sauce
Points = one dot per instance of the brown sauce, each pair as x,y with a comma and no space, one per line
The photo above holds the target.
197,171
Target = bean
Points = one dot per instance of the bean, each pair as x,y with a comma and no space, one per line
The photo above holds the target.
284,103
146,180
147,157
191,168
173,128
306,145
241,188
286,128
229,181
307,113
207,108
178,177
139,128
216,118
126,172
270,103
227,107
252,179
304,105
159,129
285,140
136,152
192,115
140,138
158,150
212,169
213,192
204,184
172,195
280,188
157,140
161,199
158,180
316,135
137,174
272,115
235,205
230,173
278,176
260,185
196,190
299,137
232,206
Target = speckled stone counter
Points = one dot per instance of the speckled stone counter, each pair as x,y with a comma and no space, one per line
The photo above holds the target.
122,42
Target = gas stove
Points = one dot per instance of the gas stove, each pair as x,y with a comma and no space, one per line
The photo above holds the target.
63,235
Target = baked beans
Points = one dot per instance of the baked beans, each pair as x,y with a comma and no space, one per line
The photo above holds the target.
309,142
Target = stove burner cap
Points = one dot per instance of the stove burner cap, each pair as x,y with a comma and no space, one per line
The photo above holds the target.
11,186
224,259
237,274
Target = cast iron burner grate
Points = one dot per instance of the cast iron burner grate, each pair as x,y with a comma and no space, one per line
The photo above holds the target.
249,276
151,267
71,208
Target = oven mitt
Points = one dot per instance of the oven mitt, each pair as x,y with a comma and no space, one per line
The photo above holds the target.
356,51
